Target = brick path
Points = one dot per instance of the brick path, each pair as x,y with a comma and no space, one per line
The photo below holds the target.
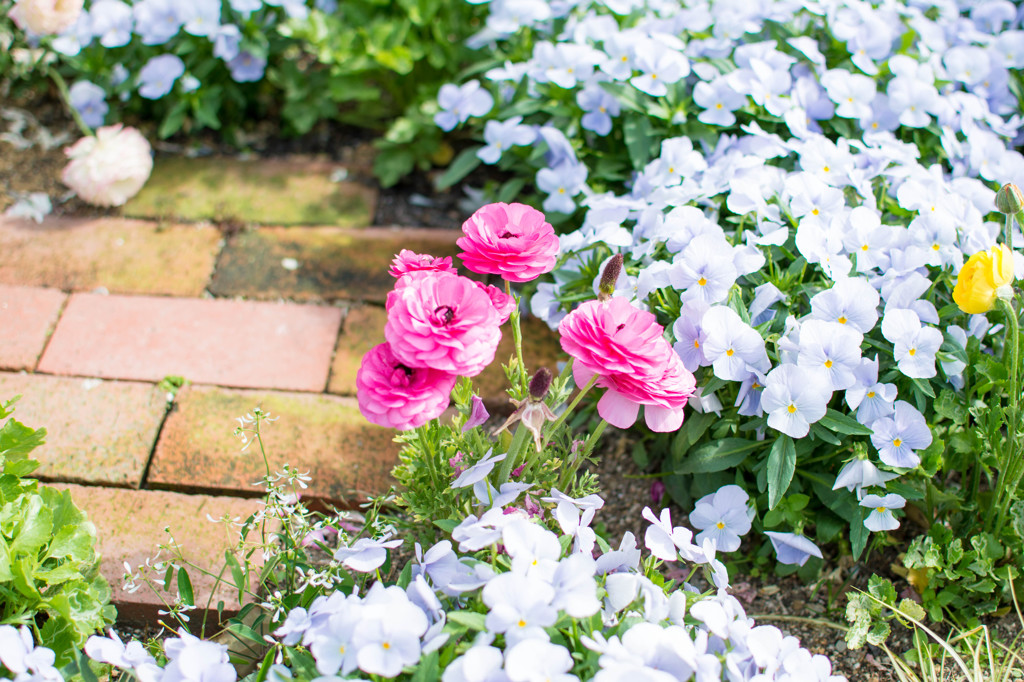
95,313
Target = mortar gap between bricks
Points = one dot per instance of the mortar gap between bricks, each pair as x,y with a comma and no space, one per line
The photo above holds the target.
51,330
171,407
347,307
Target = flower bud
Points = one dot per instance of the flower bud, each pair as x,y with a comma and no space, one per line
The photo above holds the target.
1009,199
609,277
540,383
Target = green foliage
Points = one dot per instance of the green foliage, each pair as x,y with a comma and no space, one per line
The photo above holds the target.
49,569
870,613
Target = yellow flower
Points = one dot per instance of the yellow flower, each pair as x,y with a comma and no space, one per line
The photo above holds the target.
985,275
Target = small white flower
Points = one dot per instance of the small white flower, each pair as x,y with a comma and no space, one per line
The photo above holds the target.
881,516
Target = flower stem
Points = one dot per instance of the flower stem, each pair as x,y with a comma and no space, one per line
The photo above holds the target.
517,338
575,401
65,95
515,449
1011,469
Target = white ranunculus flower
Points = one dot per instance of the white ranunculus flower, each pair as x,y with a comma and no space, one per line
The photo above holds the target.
109,168
46,17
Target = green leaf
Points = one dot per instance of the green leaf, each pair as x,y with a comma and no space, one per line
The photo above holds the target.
858,535
781,465
717,455
470,619
465,163
844,424
693,428
638,133
185,587
447,525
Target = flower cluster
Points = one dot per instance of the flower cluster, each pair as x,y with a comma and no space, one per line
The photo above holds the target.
796,217
442,325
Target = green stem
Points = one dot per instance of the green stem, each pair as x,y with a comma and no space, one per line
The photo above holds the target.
1009,479
65,95
575,401
569,473
517,338
519,441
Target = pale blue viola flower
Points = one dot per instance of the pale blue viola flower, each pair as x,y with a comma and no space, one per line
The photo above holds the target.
111,22
791,548
851,302
295,9
700,271
366,554
858,474
326,6
159,74
458,103
659,67
690,335
227,42
201,17
520,607
765,296
914,345
88,99
78,35
561,184
478,471
748,398
913,99
501,135
489,496
157,21
474,533
953,367
564,64
881,517
723,516
897,438
904,292
620,49
871,399
678,160
559,147
245,7
794,398
247,67
829,161
189,83
867,239
832,350
733,347
768,86
479,663
599,106
575,588
718,99
812,200
968,64
852,92
508,16
539,659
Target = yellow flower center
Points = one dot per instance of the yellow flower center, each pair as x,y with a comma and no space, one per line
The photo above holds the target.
561,190
521,623
827,169
815,212
912,351
880,509
385,646
791,408
730,352
842,319
718,106
702,281
828,364
720,525
896,443
864,248
871,394
696,343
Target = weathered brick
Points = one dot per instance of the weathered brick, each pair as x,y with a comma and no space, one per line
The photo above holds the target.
228,343
265,191
130,524
328,263
99,432
27,315
346,456
122,256
362,330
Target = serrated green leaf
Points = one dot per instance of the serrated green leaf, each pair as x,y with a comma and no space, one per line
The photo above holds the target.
781,465
717,455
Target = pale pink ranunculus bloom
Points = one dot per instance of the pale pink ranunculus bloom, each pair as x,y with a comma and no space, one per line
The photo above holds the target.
109,168
409,261
398,396
501,301
443,321
511,240
45,17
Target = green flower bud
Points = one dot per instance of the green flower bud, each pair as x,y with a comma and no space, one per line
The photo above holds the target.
1009,199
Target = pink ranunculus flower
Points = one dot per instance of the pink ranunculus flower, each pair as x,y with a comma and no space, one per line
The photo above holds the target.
393,394
46,17
109,168
662,395
614,337
511,240
501,301
443,321
408,261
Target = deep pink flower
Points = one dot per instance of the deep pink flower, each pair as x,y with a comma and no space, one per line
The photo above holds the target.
663,396
511,240
393,394
408,261
443,321
614,337
501,301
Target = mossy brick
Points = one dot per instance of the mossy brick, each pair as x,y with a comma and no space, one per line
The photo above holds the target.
362,329
27,315
268,192
121,256
317,264
130,524
347,457
97,432
229,343
541,348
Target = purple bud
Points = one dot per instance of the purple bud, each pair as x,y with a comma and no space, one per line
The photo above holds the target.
610,276
540,383
657,491
478,414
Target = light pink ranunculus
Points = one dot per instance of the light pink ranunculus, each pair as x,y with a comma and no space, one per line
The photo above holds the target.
393,394
45,17
109,168
408,261
614,337
663,396
443,321
511,240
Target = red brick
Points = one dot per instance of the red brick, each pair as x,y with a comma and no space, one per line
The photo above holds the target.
27,315
363,329
97,431
130,525
346,456
122,256
229,343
